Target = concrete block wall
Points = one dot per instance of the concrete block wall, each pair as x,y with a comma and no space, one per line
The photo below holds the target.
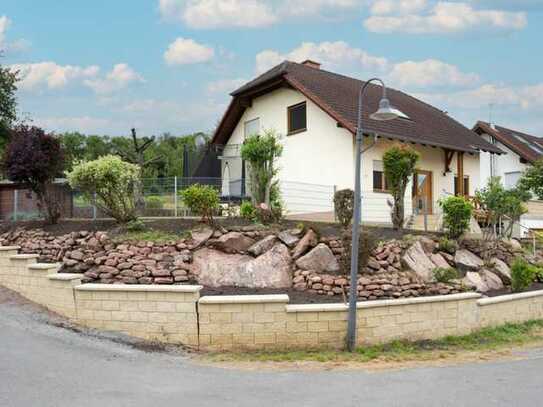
165,314
176,314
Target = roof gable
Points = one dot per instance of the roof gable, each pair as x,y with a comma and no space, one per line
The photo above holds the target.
338,96
525,145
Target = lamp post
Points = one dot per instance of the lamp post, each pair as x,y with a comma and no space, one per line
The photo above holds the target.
385,112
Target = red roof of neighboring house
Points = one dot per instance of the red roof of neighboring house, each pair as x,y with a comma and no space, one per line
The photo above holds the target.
337,95
525,145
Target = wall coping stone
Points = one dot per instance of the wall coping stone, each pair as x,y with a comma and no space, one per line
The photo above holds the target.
244,299
24,256
43,266
64,276
8,248
380,303
140,287
509,297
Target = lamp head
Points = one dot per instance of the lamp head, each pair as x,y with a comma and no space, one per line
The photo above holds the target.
386,111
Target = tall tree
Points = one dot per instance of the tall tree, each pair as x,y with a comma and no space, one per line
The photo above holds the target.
35,158
8,103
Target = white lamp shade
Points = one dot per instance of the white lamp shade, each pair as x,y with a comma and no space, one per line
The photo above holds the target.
386,112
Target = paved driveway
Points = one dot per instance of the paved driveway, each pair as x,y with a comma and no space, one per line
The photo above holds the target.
42,365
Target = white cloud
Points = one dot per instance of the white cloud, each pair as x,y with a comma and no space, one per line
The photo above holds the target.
15,46
430,73
51,75
381,7
4,25
184,51
444,18
118,78
202,14
209,14
84,124
225,85
333,55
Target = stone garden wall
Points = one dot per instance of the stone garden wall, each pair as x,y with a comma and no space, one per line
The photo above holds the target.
176,314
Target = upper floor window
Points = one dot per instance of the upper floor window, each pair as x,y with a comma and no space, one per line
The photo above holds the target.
379,179
466,185
511,178
251,127
297,118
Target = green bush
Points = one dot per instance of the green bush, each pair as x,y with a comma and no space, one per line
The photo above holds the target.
522,274
202,200
136,225
447,245
444,275
154,202
456,215
247,211
111,181
344,206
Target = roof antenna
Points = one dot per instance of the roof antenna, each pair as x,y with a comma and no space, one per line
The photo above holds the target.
490,122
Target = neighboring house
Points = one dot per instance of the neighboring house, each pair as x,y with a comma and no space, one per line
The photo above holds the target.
315,111
521,151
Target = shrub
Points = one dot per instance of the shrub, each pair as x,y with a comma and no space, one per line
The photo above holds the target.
35,158
247,211
112,181
344,206
154,202
261,152
522,275
136,225
448,246
399,164
456,215
444,275
203,200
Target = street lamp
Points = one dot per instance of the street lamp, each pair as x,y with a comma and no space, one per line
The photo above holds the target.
385,112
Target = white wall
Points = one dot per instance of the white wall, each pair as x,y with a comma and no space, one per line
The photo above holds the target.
509,162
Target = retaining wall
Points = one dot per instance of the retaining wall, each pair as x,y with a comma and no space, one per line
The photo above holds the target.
176,314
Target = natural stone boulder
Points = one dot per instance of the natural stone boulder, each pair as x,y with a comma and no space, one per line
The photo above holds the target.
288,238
214,268
262,246
199,237
466,260
515,244
439,261
234,242
474,279
309,240
502,270
492,281
320,259
416,259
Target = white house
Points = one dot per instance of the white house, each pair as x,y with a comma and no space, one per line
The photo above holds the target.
315,112
521,151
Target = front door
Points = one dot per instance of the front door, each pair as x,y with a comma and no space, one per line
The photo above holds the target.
422,192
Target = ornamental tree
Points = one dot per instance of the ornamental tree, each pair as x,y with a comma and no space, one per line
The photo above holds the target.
35,158
8,102
110,183
532,179
262,152
399,164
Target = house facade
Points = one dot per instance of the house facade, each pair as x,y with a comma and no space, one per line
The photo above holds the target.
314,113
521,150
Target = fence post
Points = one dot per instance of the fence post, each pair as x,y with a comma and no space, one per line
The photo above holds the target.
15,204
94,207
175,196
334,203
424,208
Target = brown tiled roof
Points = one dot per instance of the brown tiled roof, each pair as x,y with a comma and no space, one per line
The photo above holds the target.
525,145
338,96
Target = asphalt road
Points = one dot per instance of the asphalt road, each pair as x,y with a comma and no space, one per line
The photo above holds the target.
44,365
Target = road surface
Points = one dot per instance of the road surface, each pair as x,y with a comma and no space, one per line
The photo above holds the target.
44,365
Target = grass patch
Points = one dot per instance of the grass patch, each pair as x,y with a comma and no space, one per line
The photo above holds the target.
401,350
156,236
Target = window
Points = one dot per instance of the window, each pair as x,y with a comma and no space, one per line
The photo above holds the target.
511,178
297,118
466,185
251,127
379,180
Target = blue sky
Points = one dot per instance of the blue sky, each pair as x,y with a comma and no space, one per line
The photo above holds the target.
103,67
